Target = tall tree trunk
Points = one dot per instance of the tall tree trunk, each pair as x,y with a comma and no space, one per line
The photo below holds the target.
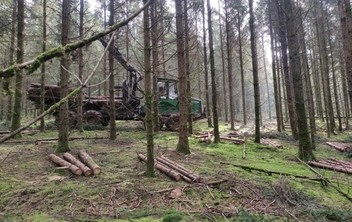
344,88
8,80
213,77
255,72
280,83
150,172
288,77
321,36
188,71
63,143
229,37
16,115
80,70
105,88
273,70
305,152
183,145
207,100
346,29
155,55
42,79
240,54
334,81
266,79
225,106
307,83
112,79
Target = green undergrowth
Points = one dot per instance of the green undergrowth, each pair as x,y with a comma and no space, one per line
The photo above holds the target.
34,189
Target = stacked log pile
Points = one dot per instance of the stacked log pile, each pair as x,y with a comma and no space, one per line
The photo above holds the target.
87,166
173,169
343,147
52,93
333,164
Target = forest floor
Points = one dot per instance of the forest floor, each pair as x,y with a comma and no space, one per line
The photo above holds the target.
32,188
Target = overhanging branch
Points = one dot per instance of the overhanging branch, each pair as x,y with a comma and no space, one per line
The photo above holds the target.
59,51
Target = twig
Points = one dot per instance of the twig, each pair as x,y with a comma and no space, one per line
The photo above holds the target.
211,194
224,217
6,157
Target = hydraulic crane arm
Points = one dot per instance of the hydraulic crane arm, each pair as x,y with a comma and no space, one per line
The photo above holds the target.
134,75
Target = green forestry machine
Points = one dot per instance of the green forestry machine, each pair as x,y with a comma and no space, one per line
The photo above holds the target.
96,109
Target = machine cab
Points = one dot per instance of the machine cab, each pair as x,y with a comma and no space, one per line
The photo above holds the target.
167,88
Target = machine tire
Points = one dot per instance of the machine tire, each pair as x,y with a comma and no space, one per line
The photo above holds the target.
72,119
92,117
173,122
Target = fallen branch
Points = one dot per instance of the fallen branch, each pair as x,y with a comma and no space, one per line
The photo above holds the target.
326,181
58,104
331,166
53,139
86,171
164,169
74,169
269,172
89,162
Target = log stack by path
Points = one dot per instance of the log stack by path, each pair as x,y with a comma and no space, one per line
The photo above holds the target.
343,147
174,170
87,166
333,164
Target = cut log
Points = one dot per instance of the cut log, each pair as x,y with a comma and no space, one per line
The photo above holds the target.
86,170
74,169
329,166
162,168
184,172
83,155
347,163
343,147
232,140
270,142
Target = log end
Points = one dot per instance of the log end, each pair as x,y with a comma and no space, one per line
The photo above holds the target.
96,171
88,173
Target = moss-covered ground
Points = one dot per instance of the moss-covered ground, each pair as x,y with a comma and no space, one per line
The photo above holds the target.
34,189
